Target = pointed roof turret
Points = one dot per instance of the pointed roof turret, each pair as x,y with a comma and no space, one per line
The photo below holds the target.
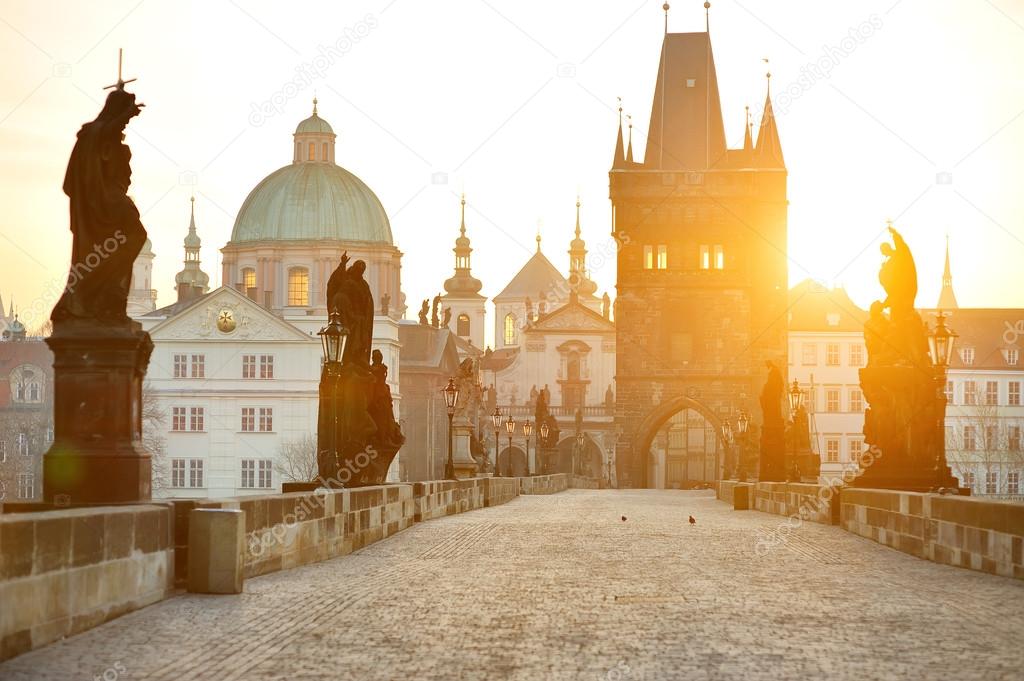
463,284
769,148
618,161
578,280
748,138
629,149
192,281
947,300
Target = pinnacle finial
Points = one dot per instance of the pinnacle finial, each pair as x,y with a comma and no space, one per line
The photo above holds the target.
666,8
314,105
577,216
462,226
538,238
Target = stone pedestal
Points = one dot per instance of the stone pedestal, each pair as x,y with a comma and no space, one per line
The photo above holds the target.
465,464
216,551
772,466
97,456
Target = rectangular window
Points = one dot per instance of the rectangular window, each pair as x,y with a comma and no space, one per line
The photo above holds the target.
266,419
856,448
22,440
705,257
832,450
970,439
991,438
265,480
1013,398
648,257
950,442
1012,355
832,354
992,482
1013,482
967,355
949,392
195,473
856,355
662,257
248,419
832,399
248,366
181,366
1013,438
809,356
196,419
968,480
198,366
248,473
991,393
178,418
312,151
856,400
3,451
970,393
719,257
177,472
266,366
26,485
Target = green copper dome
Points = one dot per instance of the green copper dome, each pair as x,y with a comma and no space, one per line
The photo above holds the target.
312,201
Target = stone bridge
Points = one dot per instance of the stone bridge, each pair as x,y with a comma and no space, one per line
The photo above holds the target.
561,587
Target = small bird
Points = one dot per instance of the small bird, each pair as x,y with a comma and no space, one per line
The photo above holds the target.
693,521
623,518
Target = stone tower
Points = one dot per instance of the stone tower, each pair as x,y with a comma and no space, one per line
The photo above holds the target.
701,272
462,292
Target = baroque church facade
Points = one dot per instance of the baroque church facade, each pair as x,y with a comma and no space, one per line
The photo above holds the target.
234,375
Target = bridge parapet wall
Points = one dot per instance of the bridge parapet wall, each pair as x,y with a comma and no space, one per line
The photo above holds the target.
544,484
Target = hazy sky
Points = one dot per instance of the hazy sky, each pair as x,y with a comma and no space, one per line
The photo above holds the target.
920,118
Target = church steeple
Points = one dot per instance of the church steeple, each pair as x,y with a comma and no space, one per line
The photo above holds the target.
463,283
629,148
947,300
578,280
619,160
191,281
748,139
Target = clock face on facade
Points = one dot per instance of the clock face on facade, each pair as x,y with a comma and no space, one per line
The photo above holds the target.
226,320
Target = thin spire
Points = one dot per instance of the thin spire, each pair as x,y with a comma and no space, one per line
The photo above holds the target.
314,104
707,17
769,148
192,217
748,140
462,227
666,8
578,224
947,299
617,161
629,149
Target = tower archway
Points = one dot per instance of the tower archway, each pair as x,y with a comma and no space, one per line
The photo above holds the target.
678,444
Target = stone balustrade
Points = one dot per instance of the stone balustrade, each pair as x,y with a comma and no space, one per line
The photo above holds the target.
580,482
63,571
544,484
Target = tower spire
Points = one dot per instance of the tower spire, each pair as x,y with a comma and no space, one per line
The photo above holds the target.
666,8
462,225
947,300
629,149
578,225
769,148
707,17
617,160
748,140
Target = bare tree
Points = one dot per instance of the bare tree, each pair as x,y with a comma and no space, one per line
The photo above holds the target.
296,459
980,441
154,425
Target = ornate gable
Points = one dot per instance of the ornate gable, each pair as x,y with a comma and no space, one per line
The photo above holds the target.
573,316
226,315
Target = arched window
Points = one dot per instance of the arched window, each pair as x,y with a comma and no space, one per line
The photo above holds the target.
248,279
298,286
510,329
312,151
462,325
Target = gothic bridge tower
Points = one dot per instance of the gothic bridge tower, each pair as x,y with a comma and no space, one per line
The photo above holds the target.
701,271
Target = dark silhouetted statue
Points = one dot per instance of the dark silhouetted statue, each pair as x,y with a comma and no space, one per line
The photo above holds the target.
424,311
349,295
773,434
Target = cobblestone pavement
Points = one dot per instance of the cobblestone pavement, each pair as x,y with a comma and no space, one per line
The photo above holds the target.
558,587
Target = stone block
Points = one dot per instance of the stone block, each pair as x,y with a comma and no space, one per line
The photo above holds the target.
52,543
17,537
87,536
216,562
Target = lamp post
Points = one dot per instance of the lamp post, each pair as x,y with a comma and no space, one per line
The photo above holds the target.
527,431
801,437
496,420
742,424
544,431
510,427
333,339
577,460
940,351
727,438
451,398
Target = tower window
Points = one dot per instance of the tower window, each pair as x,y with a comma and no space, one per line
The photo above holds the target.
312,151
248,279
462,325
662,257
323,156
298,286
719,257
656,257
705,257
510,329
648,257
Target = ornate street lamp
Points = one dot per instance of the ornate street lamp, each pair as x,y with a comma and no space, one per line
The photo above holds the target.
451,398
940,344
578,462
743,422
333,339
727,439
543,440
510,427
496,420
527,431
796,397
